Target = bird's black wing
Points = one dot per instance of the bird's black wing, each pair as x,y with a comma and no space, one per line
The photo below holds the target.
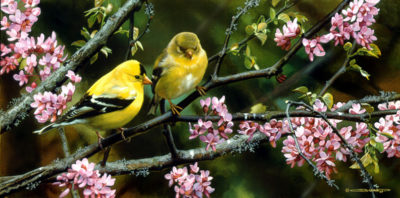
91,106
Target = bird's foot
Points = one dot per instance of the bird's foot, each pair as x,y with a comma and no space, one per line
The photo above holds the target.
175,109
122,130
99,138
201,90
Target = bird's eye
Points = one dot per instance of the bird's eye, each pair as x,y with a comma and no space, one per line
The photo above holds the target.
137,77
181,49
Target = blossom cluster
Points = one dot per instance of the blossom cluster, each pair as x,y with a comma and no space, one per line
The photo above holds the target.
82,176
389,129
49,105
193,183
214,131
289,31
35,57
354,22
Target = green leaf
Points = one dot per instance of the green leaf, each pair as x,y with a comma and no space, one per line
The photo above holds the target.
98,3
249,29
352,62
388,135
275,2
139,45
94,58
133,50
369,162
85,33
301,18
22,64
249,62
248,51
367,107
91,20
262,37
365,74
78,43
375,51
105,50
313,98
261,27
122,31
284,17
347,46
328,99
302,90
377,145
272,13
258,108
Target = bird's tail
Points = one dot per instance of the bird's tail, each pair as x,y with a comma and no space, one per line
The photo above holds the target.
45,129
153,105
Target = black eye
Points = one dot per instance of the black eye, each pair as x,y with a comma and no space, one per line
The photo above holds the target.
137,77
182,49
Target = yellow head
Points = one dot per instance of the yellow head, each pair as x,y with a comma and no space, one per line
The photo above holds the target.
132,71
184,44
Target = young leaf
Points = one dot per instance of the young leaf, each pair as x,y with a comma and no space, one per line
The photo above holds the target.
94,58
302,90
284,17
85,33
262,37
272,14
328,99
78,43
347,46
262,26
375,51
258,108
275,2
105,50
365,74
22,64
249,29
367,107
91,20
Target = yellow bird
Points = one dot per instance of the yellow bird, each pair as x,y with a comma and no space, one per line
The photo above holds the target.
179,69
111,102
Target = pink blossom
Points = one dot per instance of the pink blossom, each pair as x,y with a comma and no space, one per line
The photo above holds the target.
205,104
356,109
73,77
21,77
83,176
313,47
196,184
212,140
319,106
351,12
366,37
325,163
290,31
248,128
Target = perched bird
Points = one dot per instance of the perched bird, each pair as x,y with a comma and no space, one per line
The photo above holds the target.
111,102
179,69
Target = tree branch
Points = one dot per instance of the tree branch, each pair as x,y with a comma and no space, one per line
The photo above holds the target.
341,71
13,183
17,112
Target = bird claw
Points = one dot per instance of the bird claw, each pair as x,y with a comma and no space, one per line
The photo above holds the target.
122,130
201,90
175,108
99,138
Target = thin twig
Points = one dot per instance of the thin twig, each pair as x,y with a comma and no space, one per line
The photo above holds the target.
232,27
341,71
105,156
315,169
149,14
64,141
354,156
167,132
131,34
252,36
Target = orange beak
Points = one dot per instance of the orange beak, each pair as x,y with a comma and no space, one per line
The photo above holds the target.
146,81
189,54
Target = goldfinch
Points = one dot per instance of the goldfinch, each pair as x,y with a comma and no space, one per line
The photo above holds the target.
179,69
111,102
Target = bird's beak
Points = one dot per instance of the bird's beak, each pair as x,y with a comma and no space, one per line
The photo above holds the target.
146,80
189,54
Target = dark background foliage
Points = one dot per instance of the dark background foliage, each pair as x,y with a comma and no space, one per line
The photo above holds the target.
262,173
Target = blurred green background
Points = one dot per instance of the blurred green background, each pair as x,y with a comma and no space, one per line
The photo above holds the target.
262,173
